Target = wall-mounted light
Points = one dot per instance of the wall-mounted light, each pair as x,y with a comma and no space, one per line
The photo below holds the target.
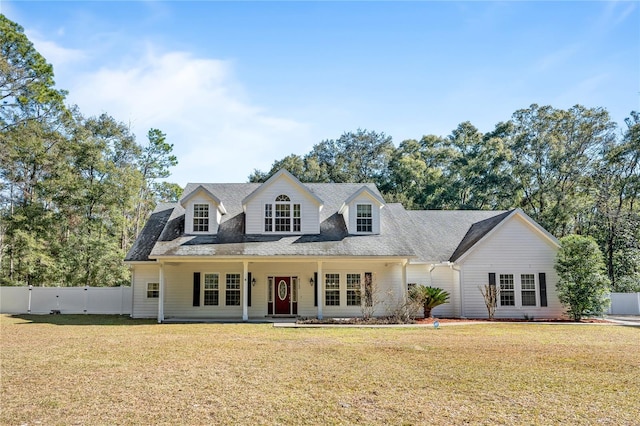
253,282
311,282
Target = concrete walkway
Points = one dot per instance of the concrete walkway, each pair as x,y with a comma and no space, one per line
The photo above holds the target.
624,319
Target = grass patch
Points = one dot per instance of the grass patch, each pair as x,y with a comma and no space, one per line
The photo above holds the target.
123,371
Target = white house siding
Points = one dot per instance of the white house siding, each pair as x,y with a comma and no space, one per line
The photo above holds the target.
441,277
144,307
514,248
309,210
178,299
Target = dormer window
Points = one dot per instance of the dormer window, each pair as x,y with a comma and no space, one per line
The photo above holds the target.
364,218
201,218
282,216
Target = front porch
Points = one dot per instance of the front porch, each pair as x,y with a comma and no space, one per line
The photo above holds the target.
264,290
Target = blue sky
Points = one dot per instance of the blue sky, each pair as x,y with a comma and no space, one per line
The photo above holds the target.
237,85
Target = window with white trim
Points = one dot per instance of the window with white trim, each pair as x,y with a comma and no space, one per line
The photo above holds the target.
282,216
354,295
268,218
507,290
232,293
153,290
211,290
201,218
364,218
332,289
528,289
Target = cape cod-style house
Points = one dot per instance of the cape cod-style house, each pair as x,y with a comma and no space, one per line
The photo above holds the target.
283,248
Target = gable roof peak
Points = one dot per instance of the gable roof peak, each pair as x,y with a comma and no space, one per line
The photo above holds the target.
282,174
364,189
200,187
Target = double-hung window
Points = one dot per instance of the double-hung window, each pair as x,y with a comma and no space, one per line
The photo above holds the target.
232,293
201,218
507,290
211,290
364,218
282,215
268,217
528,289
153,290
332,289
354,297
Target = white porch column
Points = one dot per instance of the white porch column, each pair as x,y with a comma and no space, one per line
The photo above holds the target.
319,285
404,279
245,291
161,295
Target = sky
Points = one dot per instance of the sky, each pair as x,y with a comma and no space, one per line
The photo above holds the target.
238,85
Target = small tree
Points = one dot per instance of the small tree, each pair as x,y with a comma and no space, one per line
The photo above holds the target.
583,284
429,297
370,296
490,295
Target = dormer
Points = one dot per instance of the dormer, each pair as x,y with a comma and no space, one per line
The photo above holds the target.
361,212
282,205
203,211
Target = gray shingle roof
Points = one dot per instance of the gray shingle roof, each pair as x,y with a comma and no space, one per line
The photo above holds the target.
444,235
428,236
333,240
150,233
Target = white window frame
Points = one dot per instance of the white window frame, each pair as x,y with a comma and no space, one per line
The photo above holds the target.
353,290
215,289
155,292
283,216
364,220
503,282
529,290
205,220
519,288
228,290
332,289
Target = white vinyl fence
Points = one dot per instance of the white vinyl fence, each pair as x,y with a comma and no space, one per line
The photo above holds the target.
625,304
65,300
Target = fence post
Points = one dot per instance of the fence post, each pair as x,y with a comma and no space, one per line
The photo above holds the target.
29,304
86,298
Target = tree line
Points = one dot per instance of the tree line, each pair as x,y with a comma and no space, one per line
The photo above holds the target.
74,190
574,171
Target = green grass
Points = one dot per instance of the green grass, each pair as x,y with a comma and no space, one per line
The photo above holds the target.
113,370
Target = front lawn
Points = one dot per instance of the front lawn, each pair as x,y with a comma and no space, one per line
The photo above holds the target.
114,370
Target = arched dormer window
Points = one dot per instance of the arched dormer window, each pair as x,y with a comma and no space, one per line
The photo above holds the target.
282,215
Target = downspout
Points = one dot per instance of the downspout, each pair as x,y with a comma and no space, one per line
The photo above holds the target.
319,289
161,298
431,268
133,271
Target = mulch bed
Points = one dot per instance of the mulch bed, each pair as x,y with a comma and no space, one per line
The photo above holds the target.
384,321
558,320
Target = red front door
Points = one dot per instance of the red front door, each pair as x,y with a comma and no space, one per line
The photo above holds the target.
283,295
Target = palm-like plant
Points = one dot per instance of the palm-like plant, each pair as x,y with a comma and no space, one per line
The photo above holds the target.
428,297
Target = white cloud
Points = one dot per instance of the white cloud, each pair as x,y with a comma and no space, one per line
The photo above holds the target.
53,52
217,134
